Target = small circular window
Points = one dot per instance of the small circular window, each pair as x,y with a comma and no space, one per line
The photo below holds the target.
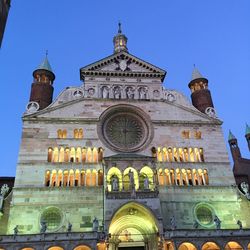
53,217
204,214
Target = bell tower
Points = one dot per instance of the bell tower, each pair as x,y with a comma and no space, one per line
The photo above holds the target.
235,150
42,86
120,41
247,135
201,96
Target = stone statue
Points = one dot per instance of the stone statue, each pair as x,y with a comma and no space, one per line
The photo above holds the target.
69,229
43,227
4,190
217,222
15,229
105,92
131,179
95,225
172,223
239,223
146,183
117,92
143,93
130,93
115,184
245,188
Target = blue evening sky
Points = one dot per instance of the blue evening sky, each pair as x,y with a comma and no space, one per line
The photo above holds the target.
172,34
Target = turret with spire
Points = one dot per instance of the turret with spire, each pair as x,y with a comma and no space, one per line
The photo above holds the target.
201,96
120,41
247,135
233,143
42,86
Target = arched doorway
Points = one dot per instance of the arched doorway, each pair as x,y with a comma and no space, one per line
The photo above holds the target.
210,246
133,226
187,246
233,245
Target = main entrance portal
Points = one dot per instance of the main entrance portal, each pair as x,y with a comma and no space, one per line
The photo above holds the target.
133,227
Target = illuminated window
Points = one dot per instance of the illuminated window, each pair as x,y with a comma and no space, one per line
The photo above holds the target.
61,134
50,154
168,177
88,178
55,154
172,177
170,155
197,134
100,154
53,178
206,176
160,177
187,246
77,178
186,156
191,154
189,176
85,248
185,134
78,155
95,155
89,156
61,155
154,152
93,178
60,178
201,154
82,178
210,246
65,178
84,152
72,154
184,177
100,178
178,177
159,155
47,179
165,154
53,218
66,155
232,245
71,178
78,133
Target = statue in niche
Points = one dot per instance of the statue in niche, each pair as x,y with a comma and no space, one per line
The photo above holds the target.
131,179
143,93
117,92
217,222
95,225
239,223
115,184
146,183
105,92
130,93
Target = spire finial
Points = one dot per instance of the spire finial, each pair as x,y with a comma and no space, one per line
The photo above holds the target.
46,53
119,27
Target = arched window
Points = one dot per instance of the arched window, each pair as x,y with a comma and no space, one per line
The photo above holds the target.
66,178
61,155
60,178
233,245
178,177
172,176
72,154
210,246
159,155
93,178
71,178
55,154
114,172
187,246
84,152
80,133
95,155
184,177
206,176
197,134
64,133
66,155
100,177
160,177
53,178
168,178
82,178
200,176
47,178
89,156
126,178
195,176
59,134
77,178
197,154
88,178
26,248
76,134
146,172
100,154
176,158
170,155
50,154
78,155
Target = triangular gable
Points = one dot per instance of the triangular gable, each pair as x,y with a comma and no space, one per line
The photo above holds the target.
122,64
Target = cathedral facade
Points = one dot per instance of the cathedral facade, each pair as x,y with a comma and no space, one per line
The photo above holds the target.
121,162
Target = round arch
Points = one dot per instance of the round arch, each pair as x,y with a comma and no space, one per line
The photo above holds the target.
187,246
146,172
135,224
55,248
82,247
114,172
233,245
210,246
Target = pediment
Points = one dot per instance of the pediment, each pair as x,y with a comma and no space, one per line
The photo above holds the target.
122,64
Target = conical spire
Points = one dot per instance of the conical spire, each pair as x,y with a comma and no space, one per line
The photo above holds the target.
120,41
196,74
45,64
231,136
247,129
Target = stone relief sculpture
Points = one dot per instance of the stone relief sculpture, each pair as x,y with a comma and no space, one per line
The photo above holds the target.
130,93
117,92
245,189
143,93
115,184
131,179
146,183
105,92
